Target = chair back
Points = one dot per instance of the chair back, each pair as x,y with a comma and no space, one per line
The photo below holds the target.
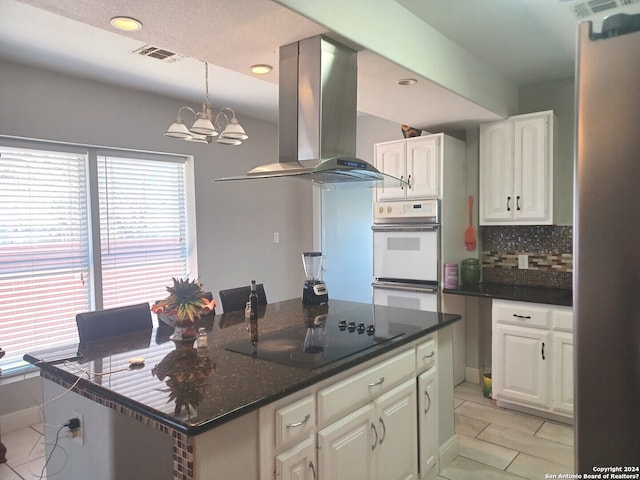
113,321
236,298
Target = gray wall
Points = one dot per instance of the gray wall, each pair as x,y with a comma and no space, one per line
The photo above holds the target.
235,221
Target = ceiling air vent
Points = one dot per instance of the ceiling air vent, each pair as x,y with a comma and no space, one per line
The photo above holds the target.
585,9
158,53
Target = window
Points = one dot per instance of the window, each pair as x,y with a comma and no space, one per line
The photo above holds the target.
143,231
57,260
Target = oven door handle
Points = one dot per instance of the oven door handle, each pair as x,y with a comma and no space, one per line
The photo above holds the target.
405,228
405,287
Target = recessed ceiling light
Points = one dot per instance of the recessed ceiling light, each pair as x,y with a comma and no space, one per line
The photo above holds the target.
126,24
261,69
407,81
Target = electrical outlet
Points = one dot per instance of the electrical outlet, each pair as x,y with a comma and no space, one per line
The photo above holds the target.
523,262
78,434
276,237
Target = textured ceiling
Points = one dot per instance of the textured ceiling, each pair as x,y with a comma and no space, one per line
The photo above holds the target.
528,40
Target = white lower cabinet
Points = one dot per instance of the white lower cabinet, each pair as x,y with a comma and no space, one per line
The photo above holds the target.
532,356
428,424
299,462
523,371
396,453
379,422
563,373
377,441
345,448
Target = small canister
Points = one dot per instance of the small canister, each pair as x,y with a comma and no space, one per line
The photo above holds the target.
450,275
202,338
470,272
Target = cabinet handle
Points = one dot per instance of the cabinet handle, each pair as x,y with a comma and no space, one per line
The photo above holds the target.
384,429
542,351
508,207
428,398
312,467
518,203
379,382
429,356
401,185
375,442
524,317
409,181
297,424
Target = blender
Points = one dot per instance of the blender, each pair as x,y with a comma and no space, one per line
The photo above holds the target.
315,290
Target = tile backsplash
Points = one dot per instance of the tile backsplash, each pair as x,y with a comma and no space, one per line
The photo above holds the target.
550,251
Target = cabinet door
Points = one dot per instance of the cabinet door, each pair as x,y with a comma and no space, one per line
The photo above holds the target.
428,424
563,372
521,364
423,167
390,159
395,454
298,463
532,169
496,173
345,448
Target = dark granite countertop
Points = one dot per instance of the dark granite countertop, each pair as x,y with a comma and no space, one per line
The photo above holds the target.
222,384
550,296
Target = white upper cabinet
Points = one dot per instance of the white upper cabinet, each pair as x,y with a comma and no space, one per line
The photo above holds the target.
516,170
414,160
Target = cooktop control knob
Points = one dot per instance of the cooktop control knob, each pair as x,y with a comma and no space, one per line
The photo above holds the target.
342,324
371,330
361,328
352,326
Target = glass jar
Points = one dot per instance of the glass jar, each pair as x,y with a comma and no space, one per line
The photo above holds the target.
470,272
202,338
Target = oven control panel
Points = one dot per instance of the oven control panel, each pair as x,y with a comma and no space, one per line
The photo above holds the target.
420,211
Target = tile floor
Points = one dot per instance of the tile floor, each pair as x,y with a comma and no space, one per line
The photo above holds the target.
25,454
494,444
501,444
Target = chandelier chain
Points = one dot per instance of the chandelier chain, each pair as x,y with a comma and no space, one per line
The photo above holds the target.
206,83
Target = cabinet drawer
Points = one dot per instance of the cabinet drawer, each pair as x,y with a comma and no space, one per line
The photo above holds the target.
522,313
426,354
563,319
343,396
295,420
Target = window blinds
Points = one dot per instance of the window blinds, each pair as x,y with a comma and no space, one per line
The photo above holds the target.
143,233
47,270
44,255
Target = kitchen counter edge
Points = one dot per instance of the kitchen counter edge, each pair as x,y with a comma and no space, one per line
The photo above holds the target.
519,293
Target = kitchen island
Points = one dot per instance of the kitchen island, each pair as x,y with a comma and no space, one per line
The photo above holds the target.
190,413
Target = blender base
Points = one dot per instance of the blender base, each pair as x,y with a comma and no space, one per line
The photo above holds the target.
315,293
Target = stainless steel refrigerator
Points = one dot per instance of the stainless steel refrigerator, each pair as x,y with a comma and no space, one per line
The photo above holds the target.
607,245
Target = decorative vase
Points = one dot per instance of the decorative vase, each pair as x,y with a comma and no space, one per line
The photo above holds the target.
410,132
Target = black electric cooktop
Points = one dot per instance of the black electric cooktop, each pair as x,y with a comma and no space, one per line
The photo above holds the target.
314,345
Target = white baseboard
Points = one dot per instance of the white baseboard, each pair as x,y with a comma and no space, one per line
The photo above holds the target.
534,411
21,419
472,375
449,451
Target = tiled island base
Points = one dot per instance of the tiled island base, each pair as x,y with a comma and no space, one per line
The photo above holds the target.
139,446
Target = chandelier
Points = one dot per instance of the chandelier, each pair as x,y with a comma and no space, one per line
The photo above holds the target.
225,125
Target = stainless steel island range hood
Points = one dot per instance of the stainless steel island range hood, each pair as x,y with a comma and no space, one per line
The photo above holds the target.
317,118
